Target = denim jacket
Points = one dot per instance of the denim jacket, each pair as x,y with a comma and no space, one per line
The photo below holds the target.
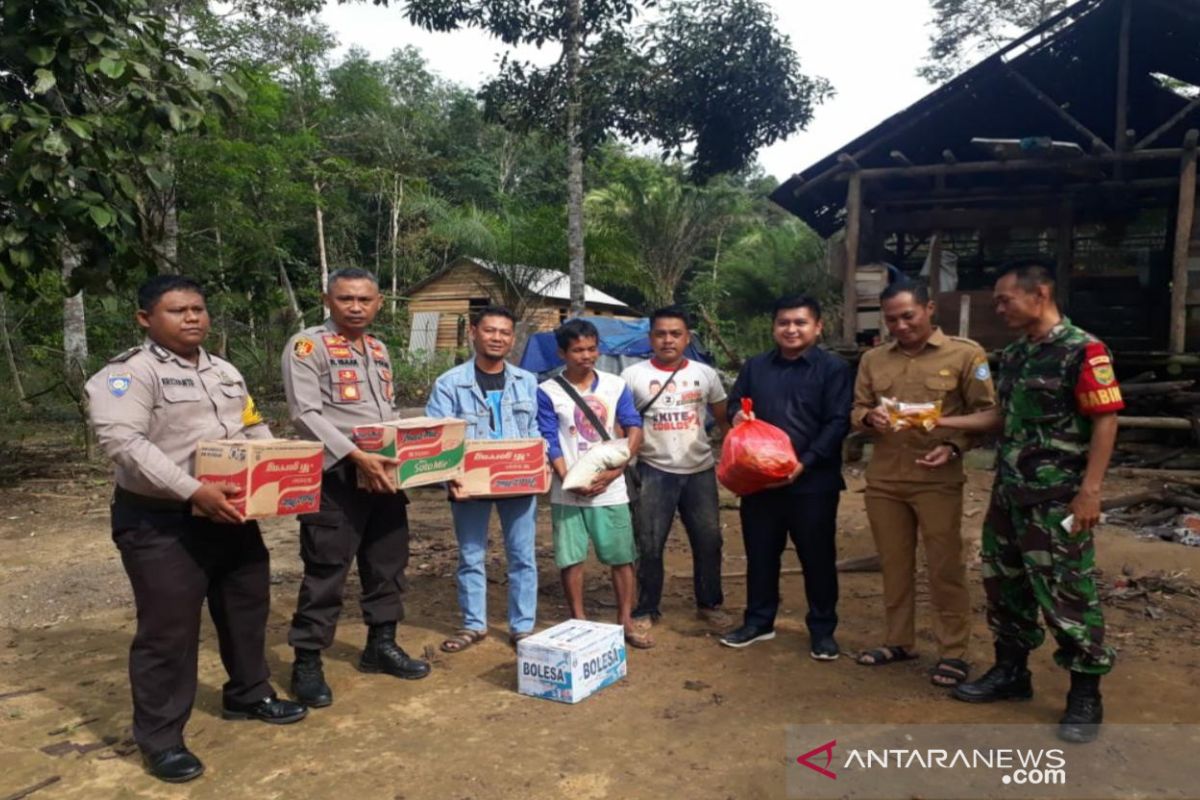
456,394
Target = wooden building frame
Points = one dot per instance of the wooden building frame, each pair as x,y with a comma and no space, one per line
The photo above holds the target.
1085,120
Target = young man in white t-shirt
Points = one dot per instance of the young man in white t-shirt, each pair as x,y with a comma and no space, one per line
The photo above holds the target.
676,466
598,513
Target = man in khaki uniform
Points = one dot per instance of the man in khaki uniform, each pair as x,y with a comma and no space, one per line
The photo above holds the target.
337,376
915,477
182,542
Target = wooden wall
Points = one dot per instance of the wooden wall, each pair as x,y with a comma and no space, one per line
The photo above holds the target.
450,295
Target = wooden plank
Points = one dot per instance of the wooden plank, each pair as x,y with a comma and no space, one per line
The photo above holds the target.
1121,135
1183,234
935,265
964,316
1175,119
850,278
1155,423
1021,165
1091,138
1065,255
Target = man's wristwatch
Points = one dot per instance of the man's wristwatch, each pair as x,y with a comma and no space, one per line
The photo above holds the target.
956,452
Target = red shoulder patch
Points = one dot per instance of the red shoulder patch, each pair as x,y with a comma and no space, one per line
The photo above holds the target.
1096,390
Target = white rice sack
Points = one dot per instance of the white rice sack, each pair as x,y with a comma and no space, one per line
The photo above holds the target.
604,456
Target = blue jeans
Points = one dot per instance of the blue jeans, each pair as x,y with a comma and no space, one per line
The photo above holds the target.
695,498
518,517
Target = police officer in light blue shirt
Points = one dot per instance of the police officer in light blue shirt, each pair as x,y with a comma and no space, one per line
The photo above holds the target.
497,401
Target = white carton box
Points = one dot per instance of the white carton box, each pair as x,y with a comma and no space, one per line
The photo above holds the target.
571,661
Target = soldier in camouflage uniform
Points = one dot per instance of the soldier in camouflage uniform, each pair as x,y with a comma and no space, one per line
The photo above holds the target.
1058,403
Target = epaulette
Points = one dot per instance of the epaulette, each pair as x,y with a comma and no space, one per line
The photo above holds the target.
121,358
160,352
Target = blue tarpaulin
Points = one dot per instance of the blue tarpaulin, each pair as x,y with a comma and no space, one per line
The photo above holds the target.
622,342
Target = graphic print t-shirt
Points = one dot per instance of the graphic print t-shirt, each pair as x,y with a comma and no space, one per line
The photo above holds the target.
492,386
675,439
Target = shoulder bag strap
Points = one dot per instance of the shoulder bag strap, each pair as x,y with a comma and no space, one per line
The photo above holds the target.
583,406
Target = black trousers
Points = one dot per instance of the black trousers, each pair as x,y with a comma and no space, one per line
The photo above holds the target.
769,518
353,524
175,562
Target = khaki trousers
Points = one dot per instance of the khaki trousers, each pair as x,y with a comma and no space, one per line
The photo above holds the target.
896,511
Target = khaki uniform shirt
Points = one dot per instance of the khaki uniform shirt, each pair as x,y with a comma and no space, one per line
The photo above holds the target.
150,407
949,369
331,387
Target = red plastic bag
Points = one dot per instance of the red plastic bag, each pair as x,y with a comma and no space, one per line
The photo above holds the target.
755,455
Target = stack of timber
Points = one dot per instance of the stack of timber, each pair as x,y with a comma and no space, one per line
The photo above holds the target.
1168,510
1160,429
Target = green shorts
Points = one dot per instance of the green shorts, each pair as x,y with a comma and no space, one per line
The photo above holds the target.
609,528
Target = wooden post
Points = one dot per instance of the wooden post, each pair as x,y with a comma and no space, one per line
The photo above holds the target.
1065,255
964,316
1183,239
1121,137
935,265
850,278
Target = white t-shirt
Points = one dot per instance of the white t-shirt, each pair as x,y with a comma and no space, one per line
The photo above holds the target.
576,435
675,439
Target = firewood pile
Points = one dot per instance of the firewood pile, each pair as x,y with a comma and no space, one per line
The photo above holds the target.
1168,511
1160,428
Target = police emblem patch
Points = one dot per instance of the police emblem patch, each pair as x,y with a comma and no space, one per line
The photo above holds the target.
1104,375
119,383
982,372
303,348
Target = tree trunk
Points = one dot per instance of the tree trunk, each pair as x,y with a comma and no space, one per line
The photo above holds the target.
394,236
223,323
9,356
250,322
291,296
75,346
166,245
320,253
575,252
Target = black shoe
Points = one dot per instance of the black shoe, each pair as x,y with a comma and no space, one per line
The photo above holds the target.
308,680
1004,681
824,649
382,654
174,765
1085,711
746,636
269,709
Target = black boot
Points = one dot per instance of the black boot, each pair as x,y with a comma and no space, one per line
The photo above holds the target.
382,654
1009,679
308,680
1085,711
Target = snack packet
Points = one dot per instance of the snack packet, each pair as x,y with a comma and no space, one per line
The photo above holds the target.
903,416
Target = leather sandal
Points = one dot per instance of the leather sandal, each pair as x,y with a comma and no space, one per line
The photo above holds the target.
462,640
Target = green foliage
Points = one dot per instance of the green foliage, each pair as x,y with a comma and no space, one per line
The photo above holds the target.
967,31
90,95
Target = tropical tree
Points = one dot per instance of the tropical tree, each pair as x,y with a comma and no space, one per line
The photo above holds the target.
658,224
965,31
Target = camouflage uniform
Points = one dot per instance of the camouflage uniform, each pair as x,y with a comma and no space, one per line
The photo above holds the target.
1049,390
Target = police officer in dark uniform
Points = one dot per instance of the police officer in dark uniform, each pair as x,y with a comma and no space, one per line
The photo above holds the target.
182,542
337,376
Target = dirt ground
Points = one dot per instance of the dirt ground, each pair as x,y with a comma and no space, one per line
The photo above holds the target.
690,714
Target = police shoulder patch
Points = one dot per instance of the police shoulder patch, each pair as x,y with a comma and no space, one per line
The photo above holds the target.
119,383
303,348
121,358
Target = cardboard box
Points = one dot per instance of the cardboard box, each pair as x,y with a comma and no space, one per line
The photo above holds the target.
430,450
505,467
277,477
571,661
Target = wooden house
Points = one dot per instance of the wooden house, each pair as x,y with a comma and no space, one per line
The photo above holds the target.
440,306
1075,144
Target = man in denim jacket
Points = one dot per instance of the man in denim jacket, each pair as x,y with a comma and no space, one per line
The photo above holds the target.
498,401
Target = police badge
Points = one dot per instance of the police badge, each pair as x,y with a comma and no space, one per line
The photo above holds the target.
119,383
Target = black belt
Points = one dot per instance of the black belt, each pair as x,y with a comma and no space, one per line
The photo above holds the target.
128,498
